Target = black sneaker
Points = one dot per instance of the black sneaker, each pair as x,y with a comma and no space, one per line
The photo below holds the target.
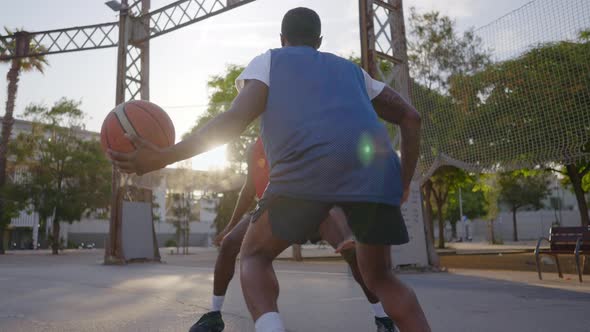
385,324
210,322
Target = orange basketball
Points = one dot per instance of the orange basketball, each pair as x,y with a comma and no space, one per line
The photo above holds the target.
140,118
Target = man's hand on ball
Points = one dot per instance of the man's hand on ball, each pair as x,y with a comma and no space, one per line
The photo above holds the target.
146,158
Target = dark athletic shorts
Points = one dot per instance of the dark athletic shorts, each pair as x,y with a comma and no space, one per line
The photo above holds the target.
296,220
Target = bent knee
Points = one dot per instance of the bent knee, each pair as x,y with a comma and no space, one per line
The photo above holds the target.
230,246
252,263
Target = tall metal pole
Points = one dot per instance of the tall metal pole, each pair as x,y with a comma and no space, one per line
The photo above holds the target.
367,32
145,52
122,52
113,252
383,39
460,203
132,81
400,49
461,213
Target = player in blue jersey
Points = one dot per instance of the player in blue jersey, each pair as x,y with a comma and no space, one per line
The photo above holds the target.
326,147
334,230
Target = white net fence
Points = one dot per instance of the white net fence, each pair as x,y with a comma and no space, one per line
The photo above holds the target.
528,105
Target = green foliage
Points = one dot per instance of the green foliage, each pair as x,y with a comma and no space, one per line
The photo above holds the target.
68,174
584,170
436,111
25,64
534,107
446,180
181,206
523,188
222,96
436,51
488,186
7,206
225,209
14,198
490,189
473,201
170,243
65,113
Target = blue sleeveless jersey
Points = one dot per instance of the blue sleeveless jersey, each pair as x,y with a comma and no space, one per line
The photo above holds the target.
322,137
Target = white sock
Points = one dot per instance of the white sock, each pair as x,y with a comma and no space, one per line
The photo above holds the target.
378,310
217,303
269,322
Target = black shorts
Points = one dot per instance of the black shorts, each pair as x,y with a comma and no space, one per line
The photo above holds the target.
297,220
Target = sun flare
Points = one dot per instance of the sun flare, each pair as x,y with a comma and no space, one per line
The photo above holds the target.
215,159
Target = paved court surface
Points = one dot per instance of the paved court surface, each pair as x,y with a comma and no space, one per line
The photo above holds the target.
74,292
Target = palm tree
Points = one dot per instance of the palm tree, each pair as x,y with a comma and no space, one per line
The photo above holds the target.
24,64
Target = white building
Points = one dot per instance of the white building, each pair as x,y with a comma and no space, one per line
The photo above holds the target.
164,184
23,231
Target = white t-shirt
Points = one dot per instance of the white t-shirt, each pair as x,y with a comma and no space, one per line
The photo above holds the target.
259,69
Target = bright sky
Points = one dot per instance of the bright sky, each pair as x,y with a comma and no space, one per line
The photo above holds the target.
183,61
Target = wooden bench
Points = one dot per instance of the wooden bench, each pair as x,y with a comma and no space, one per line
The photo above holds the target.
565,241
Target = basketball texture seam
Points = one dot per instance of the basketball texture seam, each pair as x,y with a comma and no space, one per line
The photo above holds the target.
124,120
157,122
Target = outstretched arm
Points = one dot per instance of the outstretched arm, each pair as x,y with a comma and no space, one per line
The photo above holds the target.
248,105
393,108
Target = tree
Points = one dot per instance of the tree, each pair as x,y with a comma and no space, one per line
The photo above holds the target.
17,66
224,92
13,196
472,202
445,180
577,177
523,188
296,252
436,52
429,223
533,109
68,173
488,186
182,214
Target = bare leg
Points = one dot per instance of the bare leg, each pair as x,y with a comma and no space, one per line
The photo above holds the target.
259,282
226,261
399,301
335,231
350,258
